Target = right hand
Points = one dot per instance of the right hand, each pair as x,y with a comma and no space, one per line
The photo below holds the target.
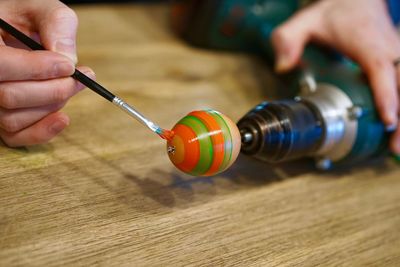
35,85
363,31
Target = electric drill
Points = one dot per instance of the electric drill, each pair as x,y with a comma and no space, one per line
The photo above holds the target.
333,118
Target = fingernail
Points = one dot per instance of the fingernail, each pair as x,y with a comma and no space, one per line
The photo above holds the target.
390,120
90,74
65,68
282,64
57,127
391,127
67,47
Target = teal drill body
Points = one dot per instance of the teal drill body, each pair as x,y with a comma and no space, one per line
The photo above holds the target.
247,25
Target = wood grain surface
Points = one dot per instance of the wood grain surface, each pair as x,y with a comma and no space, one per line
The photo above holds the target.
105,194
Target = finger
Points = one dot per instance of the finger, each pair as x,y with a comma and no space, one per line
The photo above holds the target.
23,24
290,38
395,142
395,139
13,121
41,132
25,94
10,40
375,56
19,64
57,25
375,53
397,68
383,80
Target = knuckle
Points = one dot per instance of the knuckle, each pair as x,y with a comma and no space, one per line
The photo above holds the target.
60,95
380,63
7,99
279,34
9,123
63,13
40,72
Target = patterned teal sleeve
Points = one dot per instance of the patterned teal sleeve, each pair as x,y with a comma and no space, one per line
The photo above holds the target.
394,10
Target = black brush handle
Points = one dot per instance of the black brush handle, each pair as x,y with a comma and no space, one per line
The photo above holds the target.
32,44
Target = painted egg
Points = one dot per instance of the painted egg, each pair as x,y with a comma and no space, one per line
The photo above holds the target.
204,143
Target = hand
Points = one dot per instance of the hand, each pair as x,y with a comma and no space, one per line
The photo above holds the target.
363,31
35,85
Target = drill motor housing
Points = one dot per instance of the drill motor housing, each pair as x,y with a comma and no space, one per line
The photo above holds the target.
333,117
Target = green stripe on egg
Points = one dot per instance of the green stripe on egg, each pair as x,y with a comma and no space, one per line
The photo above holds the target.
205,144
227,137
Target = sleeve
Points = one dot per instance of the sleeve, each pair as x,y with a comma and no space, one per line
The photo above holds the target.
394,10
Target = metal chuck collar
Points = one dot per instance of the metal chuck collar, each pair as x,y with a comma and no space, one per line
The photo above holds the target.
320,123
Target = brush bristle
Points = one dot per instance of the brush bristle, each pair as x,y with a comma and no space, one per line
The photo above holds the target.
167,135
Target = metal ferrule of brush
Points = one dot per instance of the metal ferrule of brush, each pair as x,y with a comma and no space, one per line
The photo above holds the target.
136,114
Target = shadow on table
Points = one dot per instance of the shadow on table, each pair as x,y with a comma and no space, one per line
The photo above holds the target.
175,189
247,171
183,190
165,187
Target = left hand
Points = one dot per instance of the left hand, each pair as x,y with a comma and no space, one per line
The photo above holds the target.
35,85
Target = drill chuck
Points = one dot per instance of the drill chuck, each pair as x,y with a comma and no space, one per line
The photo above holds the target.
319,124
281,131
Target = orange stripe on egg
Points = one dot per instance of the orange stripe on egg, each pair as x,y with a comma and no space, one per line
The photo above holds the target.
217,139
177,155
191,148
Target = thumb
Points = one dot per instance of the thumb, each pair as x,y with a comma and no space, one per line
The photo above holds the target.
290,38
57,26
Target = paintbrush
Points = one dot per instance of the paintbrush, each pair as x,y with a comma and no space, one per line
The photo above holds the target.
93,85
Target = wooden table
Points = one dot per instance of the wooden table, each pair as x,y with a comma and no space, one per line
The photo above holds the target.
104,192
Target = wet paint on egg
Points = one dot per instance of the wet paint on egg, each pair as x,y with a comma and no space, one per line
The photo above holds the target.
204,143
